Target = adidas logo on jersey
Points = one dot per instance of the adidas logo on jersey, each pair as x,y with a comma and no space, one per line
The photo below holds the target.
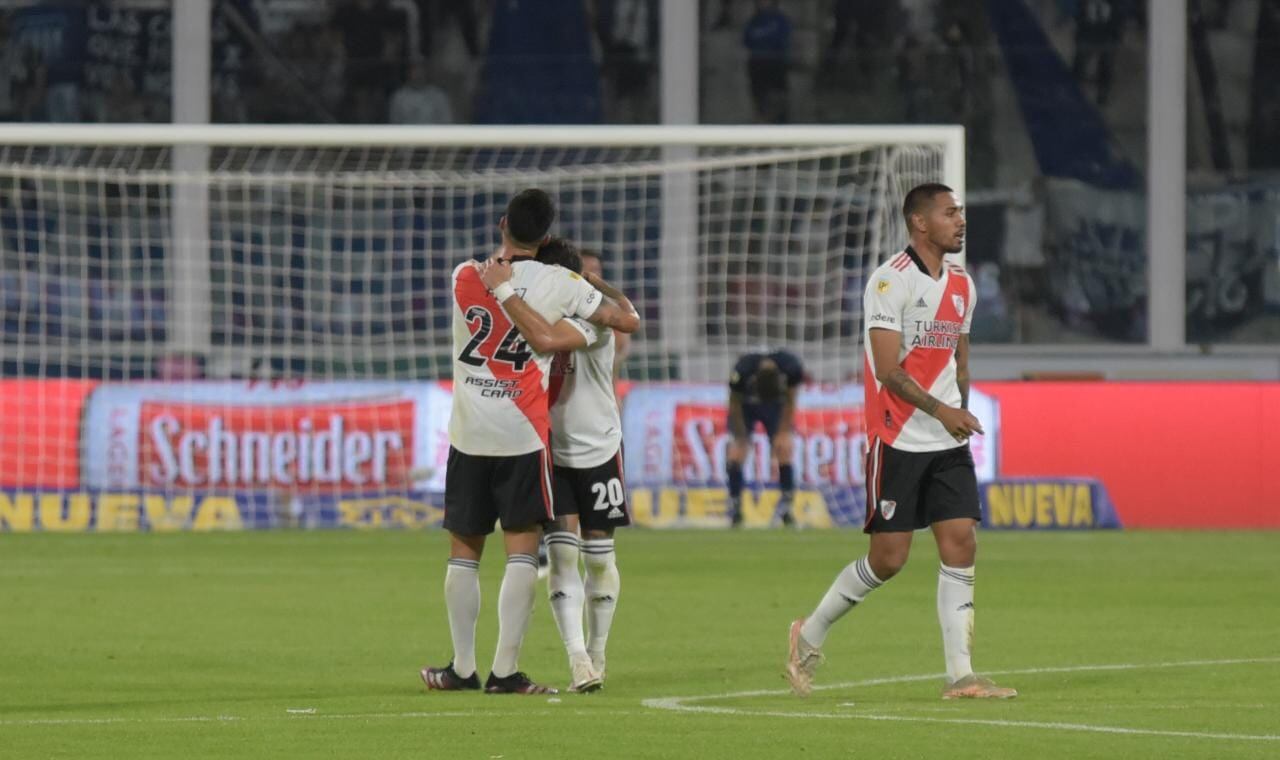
920,304
615,513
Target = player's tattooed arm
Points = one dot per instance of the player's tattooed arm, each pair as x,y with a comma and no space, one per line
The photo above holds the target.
623,316
962,370
884,352
906,388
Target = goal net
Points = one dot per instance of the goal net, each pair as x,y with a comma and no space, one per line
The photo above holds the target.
207,327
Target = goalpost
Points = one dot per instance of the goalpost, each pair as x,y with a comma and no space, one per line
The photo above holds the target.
265,309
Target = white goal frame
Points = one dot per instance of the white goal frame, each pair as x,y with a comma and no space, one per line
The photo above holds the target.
191,143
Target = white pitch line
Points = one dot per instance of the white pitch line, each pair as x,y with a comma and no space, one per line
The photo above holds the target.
1077,727
680,704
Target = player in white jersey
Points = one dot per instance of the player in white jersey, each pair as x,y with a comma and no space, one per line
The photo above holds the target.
601,558
586,431
499,467
917,308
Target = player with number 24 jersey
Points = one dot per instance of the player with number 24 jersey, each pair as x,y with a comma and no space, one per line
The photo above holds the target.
500,402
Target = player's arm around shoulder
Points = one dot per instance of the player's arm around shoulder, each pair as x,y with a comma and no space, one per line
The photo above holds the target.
616,310
541,336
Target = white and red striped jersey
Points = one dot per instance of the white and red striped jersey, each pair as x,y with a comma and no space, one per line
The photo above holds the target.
500,401
586,429
930,315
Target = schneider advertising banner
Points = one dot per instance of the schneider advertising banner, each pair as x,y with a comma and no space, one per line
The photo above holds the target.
350,437
237,455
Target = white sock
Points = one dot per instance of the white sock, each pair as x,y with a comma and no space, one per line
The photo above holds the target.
566,592
955,615
462,598
515,604
850,587
603,586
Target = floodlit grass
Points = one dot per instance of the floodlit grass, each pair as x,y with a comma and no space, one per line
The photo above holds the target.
204,645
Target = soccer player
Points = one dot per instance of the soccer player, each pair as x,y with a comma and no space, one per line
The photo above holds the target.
918,308
591,267
586,435
763,389
499,467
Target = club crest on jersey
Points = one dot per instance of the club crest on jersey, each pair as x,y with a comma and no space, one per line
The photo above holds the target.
882,286
959,303
887,508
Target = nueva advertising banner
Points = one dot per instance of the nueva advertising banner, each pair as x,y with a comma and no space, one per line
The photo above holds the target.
242,455
676,440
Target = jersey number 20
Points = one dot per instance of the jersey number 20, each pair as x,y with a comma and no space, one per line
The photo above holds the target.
608,494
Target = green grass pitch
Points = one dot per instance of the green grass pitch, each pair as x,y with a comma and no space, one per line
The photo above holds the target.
201,646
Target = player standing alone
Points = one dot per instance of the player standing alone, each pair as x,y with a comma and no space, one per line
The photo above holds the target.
586,435
499,466
920,472
763,389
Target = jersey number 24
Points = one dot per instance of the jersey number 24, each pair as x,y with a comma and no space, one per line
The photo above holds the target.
512,350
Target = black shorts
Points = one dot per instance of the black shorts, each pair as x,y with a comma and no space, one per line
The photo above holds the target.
597,495
768,415
909,490
479,491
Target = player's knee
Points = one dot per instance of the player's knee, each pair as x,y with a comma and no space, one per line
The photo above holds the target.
887,562
957,544
960,551
782,449
736,453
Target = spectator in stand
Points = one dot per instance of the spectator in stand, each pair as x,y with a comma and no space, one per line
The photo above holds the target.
11,72
31,86
121,103
768,42
418,101
874,25
1099,26
626,29
373,37
433,17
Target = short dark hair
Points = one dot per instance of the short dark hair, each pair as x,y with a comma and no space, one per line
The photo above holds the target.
529,216
562,252
920,197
